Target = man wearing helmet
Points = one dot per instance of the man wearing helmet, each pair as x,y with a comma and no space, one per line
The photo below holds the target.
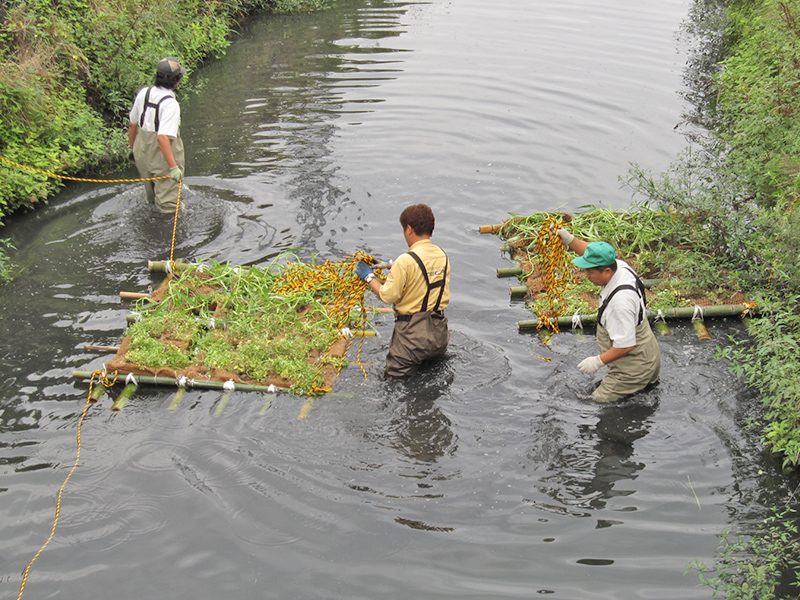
154,135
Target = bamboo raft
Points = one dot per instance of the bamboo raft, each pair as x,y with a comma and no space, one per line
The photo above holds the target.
695,314
131,376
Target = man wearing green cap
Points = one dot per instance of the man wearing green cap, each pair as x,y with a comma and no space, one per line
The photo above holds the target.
154,136
627,344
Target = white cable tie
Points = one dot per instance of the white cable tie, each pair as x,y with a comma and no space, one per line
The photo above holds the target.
660,316
201,268
137,316
345,331
577,323
229,385
237,270
103,371
167,267
271,389
697,311
182,381
211,323
131,379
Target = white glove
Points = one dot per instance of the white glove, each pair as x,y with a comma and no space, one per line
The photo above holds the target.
590,365
566,236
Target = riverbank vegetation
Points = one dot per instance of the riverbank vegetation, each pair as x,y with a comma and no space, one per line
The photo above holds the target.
741,175
70,68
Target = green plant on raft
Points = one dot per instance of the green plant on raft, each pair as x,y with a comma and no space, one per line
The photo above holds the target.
233,319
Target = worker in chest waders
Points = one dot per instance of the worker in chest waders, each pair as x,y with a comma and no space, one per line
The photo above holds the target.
627,344
418,285
154,136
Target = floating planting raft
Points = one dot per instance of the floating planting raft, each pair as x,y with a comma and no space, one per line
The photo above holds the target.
285,327
668,250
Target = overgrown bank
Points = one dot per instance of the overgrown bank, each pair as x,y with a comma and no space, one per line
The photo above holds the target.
740,179
70,68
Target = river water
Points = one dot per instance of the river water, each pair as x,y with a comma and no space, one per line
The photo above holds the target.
489,476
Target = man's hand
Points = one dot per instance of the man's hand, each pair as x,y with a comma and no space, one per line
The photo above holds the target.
590,365
131,158
566,236
364,271
175,173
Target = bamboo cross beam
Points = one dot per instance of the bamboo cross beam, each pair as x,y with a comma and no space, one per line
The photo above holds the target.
490,228
681,312
101,348
133,295
195,383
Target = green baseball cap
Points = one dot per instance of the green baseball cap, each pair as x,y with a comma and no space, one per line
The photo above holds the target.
597,254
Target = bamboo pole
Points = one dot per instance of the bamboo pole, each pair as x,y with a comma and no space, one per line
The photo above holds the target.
101,348
176,399
701,329
681,312
490,228
97,392
160,266
196,383
133,295
125,395
509,271
223,402
661,328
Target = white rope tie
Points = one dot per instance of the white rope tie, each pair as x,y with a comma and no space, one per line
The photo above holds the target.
660,316
577,323
271,389
229,385
182,381
131,379
697,311
345,331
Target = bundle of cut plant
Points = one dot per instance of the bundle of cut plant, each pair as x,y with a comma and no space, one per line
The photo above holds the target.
669,248
286,325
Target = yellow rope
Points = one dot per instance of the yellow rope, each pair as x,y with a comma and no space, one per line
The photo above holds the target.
104,380
11,162
177,205
554,268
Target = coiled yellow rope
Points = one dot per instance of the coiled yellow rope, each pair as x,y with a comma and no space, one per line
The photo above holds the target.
346,307
103,379
554,267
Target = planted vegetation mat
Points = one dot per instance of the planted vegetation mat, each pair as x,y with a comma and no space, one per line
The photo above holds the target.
281,325
676,250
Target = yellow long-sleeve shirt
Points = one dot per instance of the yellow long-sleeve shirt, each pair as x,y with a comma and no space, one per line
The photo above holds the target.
405,286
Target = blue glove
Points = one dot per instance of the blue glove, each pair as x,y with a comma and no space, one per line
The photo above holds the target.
364,270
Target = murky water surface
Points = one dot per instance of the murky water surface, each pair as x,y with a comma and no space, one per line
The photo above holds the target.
488,476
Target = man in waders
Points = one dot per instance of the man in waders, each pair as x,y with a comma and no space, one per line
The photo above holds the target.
154,136
418,285
627,344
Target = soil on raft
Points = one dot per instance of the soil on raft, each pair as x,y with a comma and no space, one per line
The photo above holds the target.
198,370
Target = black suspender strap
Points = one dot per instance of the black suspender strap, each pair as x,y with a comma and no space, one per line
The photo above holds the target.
431,286
148,104
639,289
